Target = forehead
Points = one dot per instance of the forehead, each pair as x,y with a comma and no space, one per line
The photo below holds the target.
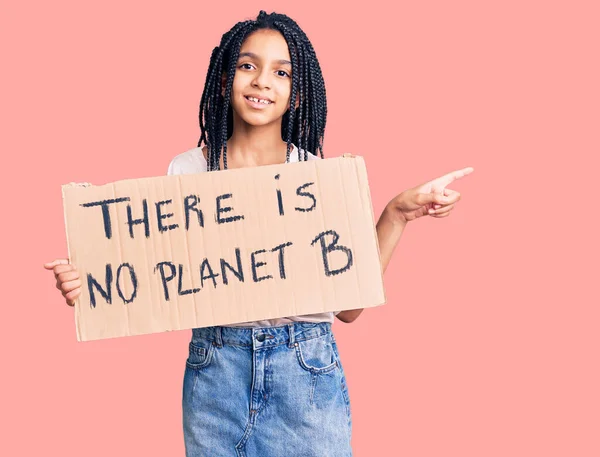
267,44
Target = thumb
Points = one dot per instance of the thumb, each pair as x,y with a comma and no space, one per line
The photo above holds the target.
438,192
51,265
424,199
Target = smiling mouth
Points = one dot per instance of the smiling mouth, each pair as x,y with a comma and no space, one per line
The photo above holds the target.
258,100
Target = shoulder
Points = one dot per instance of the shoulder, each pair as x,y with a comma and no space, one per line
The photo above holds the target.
188,162
300,152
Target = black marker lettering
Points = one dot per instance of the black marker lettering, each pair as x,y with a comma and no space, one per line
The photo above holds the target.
256,264
105,214
144,220
133,282
306,194
280,248
189,204
225,210
239,273
161,216
279,199
211,275
180,290
165,279
106,294
326,249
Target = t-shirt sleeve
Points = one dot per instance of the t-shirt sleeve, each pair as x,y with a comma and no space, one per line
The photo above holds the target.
171,168
191,161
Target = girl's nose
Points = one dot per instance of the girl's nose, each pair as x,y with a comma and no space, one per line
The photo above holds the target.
262,80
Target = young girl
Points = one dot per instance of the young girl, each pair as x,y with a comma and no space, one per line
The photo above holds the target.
274,387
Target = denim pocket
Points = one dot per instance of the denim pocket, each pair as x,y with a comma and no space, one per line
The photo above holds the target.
199,356
316,354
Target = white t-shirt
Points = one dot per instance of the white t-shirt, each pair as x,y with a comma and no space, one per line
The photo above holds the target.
193,161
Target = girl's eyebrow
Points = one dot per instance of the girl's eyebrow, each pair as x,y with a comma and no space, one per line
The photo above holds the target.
254,56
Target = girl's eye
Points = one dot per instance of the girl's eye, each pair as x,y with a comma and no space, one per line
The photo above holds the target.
247,64
284,73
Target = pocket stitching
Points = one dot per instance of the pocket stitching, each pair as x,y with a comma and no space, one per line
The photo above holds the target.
344,386
315,370
199,350
344,389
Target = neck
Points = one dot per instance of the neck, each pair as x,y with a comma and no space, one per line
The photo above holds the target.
251,146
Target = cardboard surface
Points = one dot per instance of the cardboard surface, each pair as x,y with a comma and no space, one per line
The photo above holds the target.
224,247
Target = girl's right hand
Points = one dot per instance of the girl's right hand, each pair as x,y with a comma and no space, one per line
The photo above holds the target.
67,279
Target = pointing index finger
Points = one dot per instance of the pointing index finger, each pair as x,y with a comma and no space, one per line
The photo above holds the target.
457,174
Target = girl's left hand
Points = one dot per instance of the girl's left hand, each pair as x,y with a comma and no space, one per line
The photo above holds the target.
431,198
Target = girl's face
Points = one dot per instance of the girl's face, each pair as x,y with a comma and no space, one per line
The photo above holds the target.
263,72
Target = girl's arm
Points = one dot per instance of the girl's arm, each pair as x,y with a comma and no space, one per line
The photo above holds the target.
429,199
389,231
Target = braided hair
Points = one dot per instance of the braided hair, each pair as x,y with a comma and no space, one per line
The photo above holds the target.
303,126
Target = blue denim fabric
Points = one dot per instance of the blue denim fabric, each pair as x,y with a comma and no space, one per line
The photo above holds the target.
266,392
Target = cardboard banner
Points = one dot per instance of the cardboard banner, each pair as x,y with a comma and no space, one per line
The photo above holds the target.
222,247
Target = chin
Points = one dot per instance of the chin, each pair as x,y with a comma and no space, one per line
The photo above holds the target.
257,120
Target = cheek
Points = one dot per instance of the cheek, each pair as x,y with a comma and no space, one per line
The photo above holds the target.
234,89
285,92
238,84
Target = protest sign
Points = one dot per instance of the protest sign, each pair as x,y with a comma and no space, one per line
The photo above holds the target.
222,247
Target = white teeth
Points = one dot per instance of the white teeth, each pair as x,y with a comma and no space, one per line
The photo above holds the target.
266,102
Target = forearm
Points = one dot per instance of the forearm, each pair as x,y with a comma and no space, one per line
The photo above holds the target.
389,231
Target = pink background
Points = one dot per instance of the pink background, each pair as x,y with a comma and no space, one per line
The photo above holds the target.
489,343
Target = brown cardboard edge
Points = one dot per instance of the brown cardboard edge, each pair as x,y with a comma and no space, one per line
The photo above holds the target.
76,306
374,223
